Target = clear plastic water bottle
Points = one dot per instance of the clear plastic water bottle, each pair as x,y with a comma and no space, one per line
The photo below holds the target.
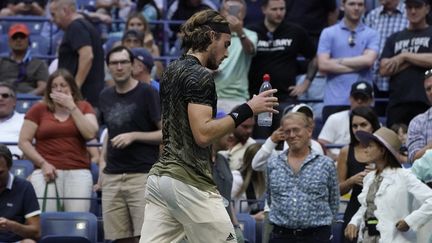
265,118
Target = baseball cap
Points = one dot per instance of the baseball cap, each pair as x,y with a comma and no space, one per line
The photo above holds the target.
144,56
302,108
133,33
18,28
362,87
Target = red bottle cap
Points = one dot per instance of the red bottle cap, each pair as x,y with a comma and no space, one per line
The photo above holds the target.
266,77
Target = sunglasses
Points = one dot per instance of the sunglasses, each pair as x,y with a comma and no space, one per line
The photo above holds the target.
351,39
6,95
428,74
19,36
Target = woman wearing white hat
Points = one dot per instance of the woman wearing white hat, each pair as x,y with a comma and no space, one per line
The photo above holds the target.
385,214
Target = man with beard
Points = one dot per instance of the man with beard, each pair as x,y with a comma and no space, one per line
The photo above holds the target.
182,199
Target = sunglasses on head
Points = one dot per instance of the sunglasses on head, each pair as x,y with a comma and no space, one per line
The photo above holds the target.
351,39
5,95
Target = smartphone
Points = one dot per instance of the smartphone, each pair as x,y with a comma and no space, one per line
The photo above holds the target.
234,10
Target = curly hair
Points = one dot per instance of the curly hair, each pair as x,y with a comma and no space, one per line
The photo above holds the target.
196,33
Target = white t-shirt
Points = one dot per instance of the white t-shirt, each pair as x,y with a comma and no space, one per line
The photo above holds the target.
10,130
336,129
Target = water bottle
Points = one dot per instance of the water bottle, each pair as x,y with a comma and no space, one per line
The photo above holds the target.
265,118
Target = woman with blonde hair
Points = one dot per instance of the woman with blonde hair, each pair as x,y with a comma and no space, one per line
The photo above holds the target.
60,125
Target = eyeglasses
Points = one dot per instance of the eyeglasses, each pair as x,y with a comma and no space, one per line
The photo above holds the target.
351,39
6,95
121,62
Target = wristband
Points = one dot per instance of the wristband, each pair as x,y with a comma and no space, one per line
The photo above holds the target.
241,114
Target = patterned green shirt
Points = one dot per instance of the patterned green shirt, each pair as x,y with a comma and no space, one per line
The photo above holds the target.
185,81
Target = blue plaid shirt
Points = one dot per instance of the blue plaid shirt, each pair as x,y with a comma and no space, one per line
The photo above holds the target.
419,133
386,24
307,199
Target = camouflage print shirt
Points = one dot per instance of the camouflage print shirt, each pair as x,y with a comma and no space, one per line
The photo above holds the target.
185,81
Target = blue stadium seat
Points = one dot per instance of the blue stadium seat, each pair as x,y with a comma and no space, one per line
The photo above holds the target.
39,45
248,226
4,47
82,224
110,42
64,239
34,23
22,168
25,101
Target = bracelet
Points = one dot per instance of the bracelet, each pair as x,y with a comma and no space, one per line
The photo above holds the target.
241,114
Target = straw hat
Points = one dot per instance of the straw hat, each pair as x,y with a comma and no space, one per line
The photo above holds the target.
384,136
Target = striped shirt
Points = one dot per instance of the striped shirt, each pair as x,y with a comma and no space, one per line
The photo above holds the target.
309,198
386,23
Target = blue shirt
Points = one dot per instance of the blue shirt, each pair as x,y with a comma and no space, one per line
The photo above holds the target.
307,199
334,41
386,23
17,202
419,133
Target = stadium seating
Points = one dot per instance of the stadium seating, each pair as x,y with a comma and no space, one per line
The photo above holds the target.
22,168
62,224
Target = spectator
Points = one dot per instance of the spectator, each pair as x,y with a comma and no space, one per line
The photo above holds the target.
131,111
249,185
405,58
19,209
312,15
81,50
148,9
184,9
231,77
336,129
387,19
117,9
133,39
138,22
346,53
402,131
239,140
351,165
270,145
279,45
142,66
24,7
302,187
420,128
386,213
10,120
60,125
20,69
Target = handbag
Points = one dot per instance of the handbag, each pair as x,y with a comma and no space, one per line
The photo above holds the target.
60,206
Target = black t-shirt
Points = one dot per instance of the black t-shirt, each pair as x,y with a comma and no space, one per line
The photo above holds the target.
78,34
135,111
277,54
407,85
311,14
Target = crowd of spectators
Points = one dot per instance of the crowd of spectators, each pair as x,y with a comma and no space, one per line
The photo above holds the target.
364,54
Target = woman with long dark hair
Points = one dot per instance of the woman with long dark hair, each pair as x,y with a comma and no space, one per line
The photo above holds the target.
351,164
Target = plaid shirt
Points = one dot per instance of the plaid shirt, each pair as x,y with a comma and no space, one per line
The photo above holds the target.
309,198
419,133
386,24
